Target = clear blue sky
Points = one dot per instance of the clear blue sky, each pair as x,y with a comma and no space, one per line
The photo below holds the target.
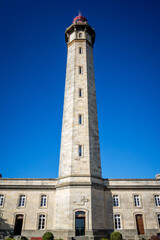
32,76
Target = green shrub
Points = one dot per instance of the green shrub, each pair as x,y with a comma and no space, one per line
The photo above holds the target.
24,238
116,236
104,239
9,238
48,236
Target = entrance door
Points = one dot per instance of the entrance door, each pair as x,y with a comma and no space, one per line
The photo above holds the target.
139,222
80,223
18,224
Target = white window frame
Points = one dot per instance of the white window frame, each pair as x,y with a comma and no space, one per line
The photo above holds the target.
137,200
116,202
22,200
157,200
117,221
43,201
41,221
1,200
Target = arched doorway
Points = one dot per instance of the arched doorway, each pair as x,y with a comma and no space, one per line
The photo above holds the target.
18,224
80,223
139,223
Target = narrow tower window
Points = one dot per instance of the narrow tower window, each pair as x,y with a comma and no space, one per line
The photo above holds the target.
137,200
117,221
80,92
80,119
80,151
80,70
80,50
21,200
80,35
41,223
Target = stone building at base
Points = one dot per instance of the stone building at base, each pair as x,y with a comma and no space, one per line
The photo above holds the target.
80,203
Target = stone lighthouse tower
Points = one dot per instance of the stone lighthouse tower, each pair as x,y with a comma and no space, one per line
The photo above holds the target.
79,193
80,154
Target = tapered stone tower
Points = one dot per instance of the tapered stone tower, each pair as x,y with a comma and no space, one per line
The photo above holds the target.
79,194
80,153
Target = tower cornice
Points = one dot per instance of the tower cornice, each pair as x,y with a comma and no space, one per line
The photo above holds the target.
80,40
80,26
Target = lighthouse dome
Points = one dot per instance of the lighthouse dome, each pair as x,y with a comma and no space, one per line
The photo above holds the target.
79,18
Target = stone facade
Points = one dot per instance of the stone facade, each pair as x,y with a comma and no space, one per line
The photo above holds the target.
65,199
102,205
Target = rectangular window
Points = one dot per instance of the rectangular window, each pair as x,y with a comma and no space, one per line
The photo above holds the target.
80,70
80,50
1,200
80,93
80,119
80,35
157,200
21,200
43,200
41,223
116,201
117,221
137,201
80,151
158,219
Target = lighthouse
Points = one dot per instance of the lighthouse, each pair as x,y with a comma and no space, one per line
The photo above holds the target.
79,195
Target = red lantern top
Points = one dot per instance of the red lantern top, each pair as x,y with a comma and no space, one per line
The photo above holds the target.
79,18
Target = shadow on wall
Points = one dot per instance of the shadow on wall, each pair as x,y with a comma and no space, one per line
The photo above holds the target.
109,212
5,228
102,211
